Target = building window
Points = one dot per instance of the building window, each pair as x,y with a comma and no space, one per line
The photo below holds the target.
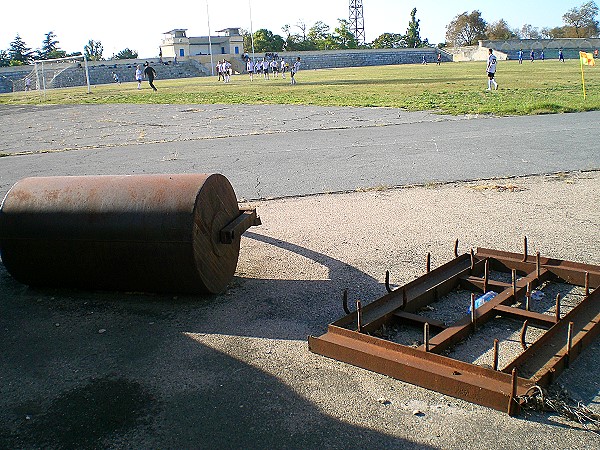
222,50
181,52
237,50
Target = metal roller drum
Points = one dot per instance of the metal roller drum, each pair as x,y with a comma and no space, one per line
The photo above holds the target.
148,233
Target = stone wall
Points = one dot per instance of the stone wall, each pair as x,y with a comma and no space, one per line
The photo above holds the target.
474,53
328,59
570,47
100,72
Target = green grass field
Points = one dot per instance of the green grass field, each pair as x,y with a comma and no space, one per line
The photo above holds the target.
452,88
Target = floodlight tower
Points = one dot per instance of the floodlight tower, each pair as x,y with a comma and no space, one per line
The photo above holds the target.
357,21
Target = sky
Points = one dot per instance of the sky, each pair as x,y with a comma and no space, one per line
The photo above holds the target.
140,26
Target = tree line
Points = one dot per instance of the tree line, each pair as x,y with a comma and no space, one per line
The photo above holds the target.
468,28
465,29
19,54
300,37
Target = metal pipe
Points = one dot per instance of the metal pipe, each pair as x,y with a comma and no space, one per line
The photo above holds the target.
538,264
486,274
513,392
426,336
557,309
387,281
496,348
523,333
473,311
148,233
587,284
569,343
345,301
514,284
528,297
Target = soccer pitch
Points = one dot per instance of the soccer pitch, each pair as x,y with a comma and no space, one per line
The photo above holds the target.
451,88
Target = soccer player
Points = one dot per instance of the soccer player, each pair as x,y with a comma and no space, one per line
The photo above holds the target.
150,73
491,71
138,76
283,66
295,69
250,67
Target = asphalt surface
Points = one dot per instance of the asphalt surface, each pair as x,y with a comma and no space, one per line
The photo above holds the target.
275,151
87,369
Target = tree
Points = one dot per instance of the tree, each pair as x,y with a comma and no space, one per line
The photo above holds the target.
499,31
126,54
529,32
553,33
582,21
4,58
390,40
466,29
266,41
413,38
50,49
342,38
93,50
319,36
18,52
292,41
302,27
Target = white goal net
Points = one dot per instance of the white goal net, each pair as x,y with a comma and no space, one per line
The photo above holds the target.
56,73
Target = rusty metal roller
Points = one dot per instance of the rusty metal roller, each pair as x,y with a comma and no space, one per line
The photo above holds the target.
148,233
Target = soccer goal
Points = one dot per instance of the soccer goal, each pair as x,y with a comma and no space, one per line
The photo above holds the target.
58,73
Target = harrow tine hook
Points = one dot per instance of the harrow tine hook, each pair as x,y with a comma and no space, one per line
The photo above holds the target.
345,301
387,281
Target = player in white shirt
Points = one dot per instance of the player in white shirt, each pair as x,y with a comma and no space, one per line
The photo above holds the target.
274,68
295,69
282,68
491,71
250,68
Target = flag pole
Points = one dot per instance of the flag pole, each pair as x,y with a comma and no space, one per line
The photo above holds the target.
582,76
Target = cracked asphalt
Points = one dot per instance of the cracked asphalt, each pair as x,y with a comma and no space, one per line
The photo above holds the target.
335,188
272,151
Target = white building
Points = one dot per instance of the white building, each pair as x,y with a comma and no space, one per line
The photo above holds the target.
226,42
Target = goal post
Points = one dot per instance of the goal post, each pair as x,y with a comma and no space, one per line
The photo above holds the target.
55,73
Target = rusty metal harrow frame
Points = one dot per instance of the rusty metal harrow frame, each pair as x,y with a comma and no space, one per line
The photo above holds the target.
350,338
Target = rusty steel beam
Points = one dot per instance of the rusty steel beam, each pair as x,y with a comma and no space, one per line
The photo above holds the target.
547,357
568,271
446,375
539,319
413,295
461,329
348,339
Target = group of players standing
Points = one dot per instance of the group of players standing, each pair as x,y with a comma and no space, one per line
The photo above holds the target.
273,67
266,67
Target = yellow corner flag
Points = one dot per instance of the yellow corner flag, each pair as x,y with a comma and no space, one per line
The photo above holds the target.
587,59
